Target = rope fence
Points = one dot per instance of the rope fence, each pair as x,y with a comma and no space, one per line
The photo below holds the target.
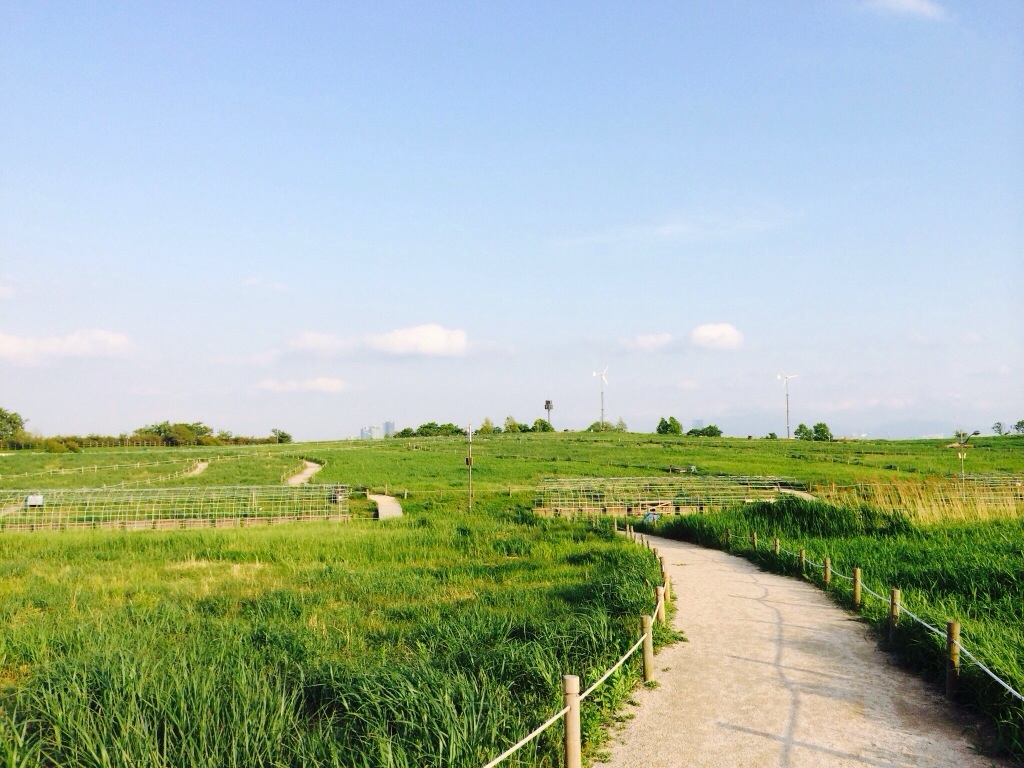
571,683
896,609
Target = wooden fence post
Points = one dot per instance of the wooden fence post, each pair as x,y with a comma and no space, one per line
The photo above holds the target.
753,539
856,588
659,596
573,740
728,538
647,625
894,613
665,579
803,560
952,657
775,546
828,572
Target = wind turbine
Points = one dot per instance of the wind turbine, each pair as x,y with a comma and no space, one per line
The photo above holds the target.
604,382
784,378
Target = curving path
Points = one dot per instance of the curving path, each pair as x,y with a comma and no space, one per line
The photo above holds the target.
198,469
387,506
776,674
307,472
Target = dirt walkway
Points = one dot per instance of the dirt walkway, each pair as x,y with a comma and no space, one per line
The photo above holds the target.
387,506
198,469
303,477
776,674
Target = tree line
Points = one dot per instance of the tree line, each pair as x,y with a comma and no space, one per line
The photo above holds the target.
13,435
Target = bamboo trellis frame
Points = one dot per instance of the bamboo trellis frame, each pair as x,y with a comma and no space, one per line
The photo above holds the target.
638,495
170,508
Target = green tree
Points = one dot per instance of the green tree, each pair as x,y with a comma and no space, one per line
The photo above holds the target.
1019,427
803,432
771,436
511,425
670,426
542,425
999,428
486,428
11,424
280,434
821,432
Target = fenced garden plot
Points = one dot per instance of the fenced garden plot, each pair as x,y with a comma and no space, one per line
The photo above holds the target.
169,508
641,495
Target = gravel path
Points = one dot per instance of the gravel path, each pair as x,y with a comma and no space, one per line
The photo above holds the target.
198,469
303,477
776,674
387,506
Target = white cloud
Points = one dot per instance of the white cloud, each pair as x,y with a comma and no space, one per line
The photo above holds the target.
6,291
429,340
924,8
320,384
716,336
26,350
650,342
269,285
321,343
433,339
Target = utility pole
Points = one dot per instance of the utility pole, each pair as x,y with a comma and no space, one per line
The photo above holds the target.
547,407
469,463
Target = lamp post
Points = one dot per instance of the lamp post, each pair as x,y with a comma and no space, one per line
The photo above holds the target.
962,454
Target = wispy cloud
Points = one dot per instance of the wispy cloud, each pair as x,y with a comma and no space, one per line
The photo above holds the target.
651,342
28,350
716,336
690,228
268,285
320,384
431,340
927,9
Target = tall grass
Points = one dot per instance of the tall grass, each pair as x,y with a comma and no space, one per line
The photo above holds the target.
973,572
435,640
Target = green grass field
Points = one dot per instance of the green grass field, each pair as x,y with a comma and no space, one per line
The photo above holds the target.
438,639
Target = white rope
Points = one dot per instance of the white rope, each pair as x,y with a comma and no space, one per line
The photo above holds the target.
987,671
870,591
611,671
516,747
923,623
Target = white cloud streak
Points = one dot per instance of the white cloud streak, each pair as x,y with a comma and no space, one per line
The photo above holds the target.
429,340
320,384
27,350
716,336
651,342
927,9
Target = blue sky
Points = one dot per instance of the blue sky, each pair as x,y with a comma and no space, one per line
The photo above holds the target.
323,217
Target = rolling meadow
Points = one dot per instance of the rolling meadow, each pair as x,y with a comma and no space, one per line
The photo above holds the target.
441,638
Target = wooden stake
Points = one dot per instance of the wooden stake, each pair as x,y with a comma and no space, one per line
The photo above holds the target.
647,624
828,571
952,658
856,588
803,560
894,613
659,596
775,546
728,538
753,538
573,739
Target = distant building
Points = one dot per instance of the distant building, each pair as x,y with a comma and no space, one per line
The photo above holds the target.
389,429
364,433
376,433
